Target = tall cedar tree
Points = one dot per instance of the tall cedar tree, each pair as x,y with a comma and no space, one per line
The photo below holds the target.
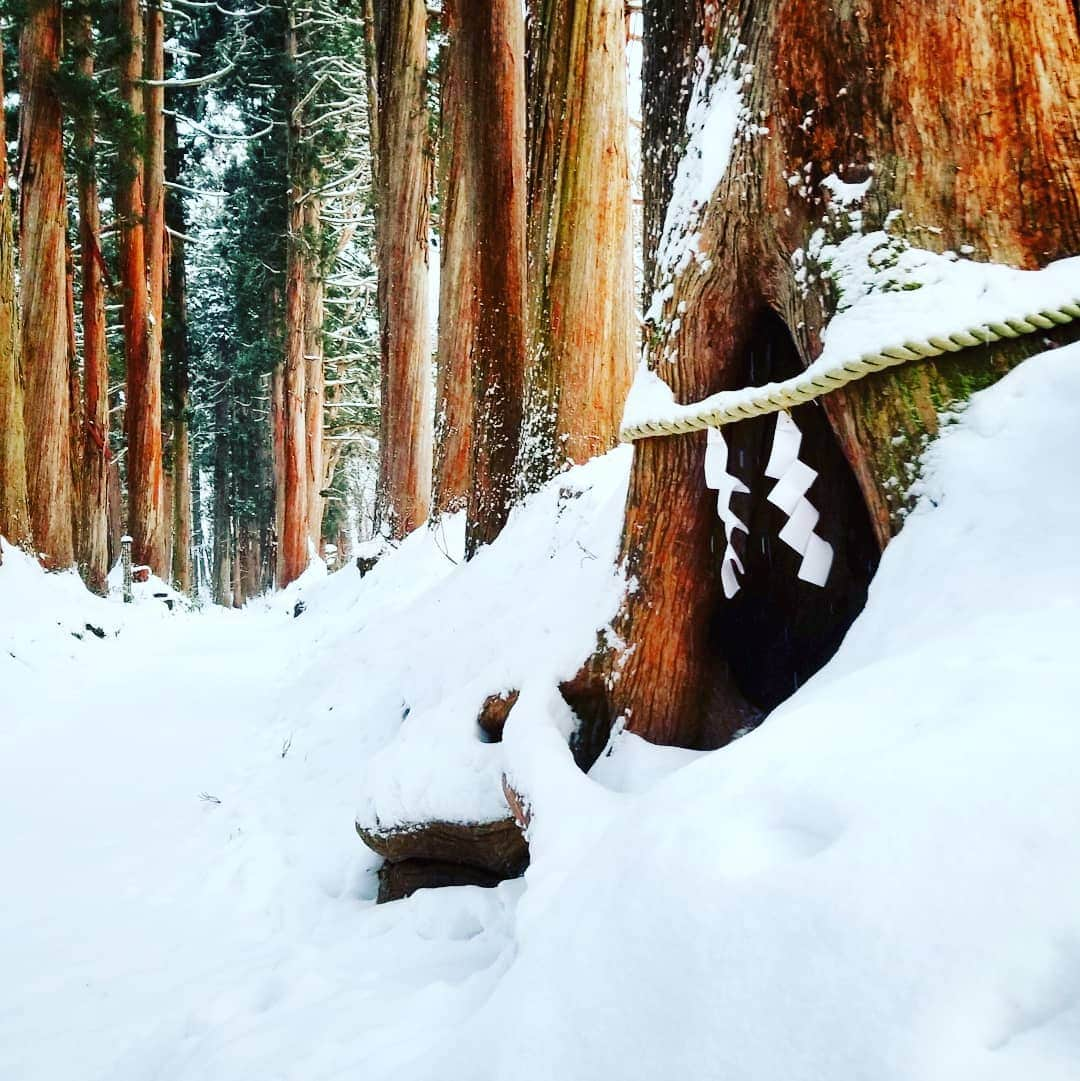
44,287
403,181
14,516
142,331
93,529
294,535
482,327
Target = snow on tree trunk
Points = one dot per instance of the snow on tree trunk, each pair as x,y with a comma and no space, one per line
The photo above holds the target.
581,330
94,473
403,183
14,516
949,128
43,279
142,341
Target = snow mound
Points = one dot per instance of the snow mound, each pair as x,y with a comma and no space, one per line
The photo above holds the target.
882,881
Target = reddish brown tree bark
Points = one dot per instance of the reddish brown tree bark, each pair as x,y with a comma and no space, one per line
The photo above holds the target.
936,104
142,340
403,184
14,516
293,550
491,37
94,441
314,317
156,236
44,312
176,336
581,308
458,285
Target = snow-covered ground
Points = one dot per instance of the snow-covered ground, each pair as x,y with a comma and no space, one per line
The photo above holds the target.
880,883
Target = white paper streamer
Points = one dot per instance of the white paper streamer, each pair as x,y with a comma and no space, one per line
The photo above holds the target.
793,479
725,485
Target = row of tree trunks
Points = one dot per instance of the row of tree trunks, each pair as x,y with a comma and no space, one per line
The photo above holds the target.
403,181
44,288
533,172
14,515
581,305
141,300
966,119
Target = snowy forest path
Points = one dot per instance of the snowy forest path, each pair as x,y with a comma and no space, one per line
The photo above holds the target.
185,895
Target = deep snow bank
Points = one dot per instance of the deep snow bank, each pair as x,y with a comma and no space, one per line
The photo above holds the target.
882,881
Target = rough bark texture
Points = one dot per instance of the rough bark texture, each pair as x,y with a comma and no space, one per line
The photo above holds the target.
581,306
318,463
94,442
403,182
491,34
14,516
176,338
142,342
458,285
44,312
222,572
277,437
154,103
967,117
294,531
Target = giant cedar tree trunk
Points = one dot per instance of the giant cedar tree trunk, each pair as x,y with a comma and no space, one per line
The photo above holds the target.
581,305
482,329
403,182
14,516
295,504
42,229
142,340
966,118
458,287
94,474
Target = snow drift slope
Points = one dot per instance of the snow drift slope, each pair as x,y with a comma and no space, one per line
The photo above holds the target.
880,883
883,882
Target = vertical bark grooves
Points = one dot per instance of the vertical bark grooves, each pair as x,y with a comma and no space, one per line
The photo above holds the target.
14,516
294,532
176,332
581,313
458,186
314,314
402,243
492,37
94,474
142,343
965,118
44,316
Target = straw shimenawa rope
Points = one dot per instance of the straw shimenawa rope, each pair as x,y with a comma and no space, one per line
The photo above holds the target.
775,397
